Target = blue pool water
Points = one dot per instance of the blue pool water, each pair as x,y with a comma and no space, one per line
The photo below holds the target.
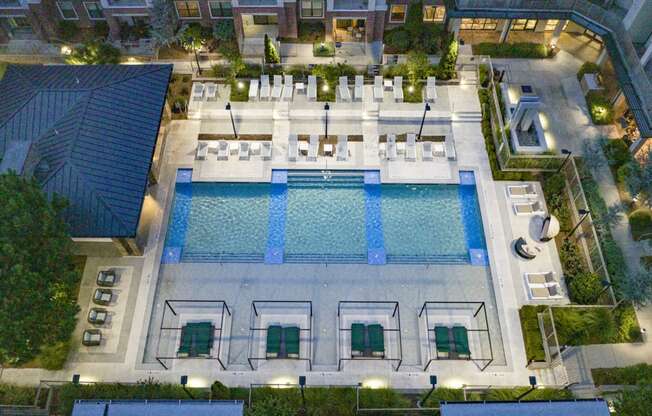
305,218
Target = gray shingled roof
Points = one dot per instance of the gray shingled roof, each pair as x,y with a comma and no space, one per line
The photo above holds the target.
92,132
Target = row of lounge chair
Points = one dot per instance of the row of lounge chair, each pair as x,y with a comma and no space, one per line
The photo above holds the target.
243,149
429,150
283,88
282,342
367,341
543,285
311,148
201,90
452,342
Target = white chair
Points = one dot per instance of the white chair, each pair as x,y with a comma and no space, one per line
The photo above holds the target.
253,89
266,151
545,291
345,94
254,148
243,153
342,150
545,278
293,148
313,147
197,91
288,88
528,208
431,90
264,87
358,91
312,88
211,91
202,150
398,89
521,191
392,151
223,150
411,148
277,90
439,150
378,88
451,154
382,150
426,151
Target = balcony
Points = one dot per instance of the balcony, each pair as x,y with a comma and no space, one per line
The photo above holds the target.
258,3
13,4
125,3
357,5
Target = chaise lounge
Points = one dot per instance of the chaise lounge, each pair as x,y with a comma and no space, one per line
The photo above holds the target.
282,342
196,340
367,341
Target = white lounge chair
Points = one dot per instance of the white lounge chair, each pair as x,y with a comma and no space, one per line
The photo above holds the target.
243,153
528,208
223,150
211,91
254,148
546,278
439,150
264,87
293,148
312,88
411,148
313,147
358,91
426,151
398,89
378,88
431,90
202,150
253,90
382,150
392,151
197,91
545,292
288,88
521,191
345,94
451,154
342,150
277,90
266,151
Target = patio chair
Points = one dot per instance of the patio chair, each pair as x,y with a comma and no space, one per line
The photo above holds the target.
528,208
541,278
521,191
106,278
358,91
461,338
197,91
211,91
392,151
202,150
431,90
345,94
552,291
378,88
376,340
264,87
426,151
266,151
411,148
277,90
451,154
312,88
398,89
291,335
92,337
313,147
439,149
243,152
254,149
273,348
288,88
97,316
442,342
293,148
102,296
253,90
342,150
223,150
357,340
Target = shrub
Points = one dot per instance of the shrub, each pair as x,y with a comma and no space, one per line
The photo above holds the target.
53,357
588,68
571,259
250,71
640,222
193,36
323,49
512,50
94,53
101,29
396,40
219,391
299,71
412,93
629,175
224,30
311,31
446,68
631,375
67,29
599,107
554,189
484,75
616,152
628,328
418,67
531,334
271,54
11,394
585,288
634,402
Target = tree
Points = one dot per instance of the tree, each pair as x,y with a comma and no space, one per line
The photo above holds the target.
39,280
637,288
611,217
592,155
164,23
94,52
271,54
418,67
193,36
635,402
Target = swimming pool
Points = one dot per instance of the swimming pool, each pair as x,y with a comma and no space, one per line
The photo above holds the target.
311,217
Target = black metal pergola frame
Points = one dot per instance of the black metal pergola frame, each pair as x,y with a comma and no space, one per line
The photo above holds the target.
217,334
482,363
395,314
253,330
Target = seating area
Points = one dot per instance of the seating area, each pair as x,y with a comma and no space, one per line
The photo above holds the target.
452,342
282,342
196,340
225,149
317,146
367,341
411,150
103,295
543,286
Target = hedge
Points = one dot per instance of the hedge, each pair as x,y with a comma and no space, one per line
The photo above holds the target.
640,222
631,375
600,108
512,50
11,394
323,49
588,68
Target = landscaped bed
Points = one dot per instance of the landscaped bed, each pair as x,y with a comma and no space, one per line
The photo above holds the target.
632,375
323,49
512,50
179,95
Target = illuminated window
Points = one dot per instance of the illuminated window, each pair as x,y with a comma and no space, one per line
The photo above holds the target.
434,13
479,24
312,8
220,9
188,9
397,13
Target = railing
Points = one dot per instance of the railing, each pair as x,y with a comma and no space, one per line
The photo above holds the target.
551,346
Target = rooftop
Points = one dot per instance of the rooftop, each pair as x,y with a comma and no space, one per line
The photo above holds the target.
535,408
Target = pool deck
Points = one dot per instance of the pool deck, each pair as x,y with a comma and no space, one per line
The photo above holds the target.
500,285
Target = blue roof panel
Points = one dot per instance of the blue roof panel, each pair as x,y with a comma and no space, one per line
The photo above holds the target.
159,408
534,408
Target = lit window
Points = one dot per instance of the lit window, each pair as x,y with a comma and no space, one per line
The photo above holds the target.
312,8
265,19
188,9
434,13
220,9
479,24
67,10
551,24
397,13
94,10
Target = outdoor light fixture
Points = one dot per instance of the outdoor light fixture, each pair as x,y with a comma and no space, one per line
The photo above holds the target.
66,50
433,384
75,378
302,384
228,108
568,154
240,85
184,383
411,88
423,120
324,88
326,108
533,385
584,213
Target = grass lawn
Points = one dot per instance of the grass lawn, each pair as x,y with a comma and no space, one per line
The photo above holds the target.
631,375
512,50
325,92
240,90
323,49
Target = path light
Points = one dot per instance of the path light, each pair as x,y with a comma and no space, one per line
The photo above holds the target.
66,50
184,383
533,385
75,379
433,384
568,154
423,120
411,88
228,108
325,87
584,213
302,384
